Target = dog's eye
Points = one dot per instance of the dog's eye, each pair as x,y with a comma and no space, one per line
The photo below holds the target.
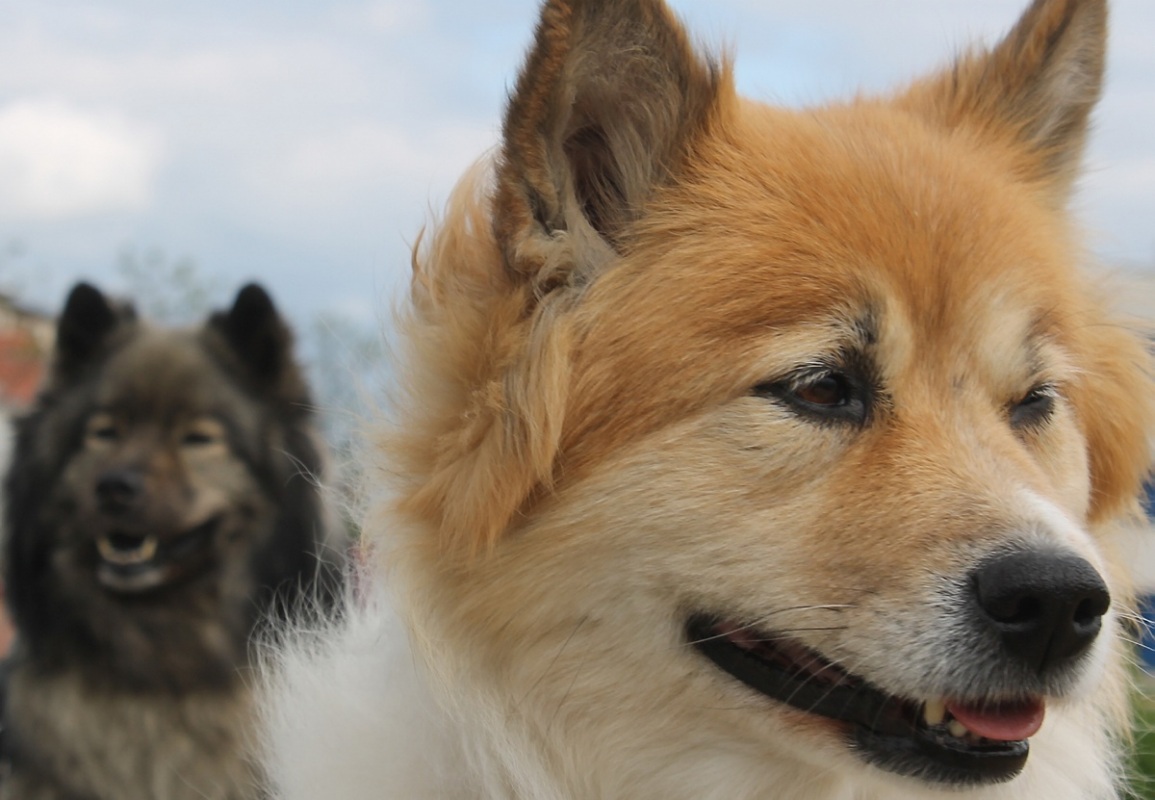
829,391
826,395
203,433
102,428
1035,408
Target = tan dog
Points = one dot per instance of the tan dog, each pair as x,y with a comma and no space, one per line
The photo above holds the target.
749,452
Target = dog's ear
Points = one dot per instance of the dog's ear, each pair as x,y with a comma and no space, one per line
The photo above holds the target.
1034,90
608,102
85,326
256,334
608,107
1114,397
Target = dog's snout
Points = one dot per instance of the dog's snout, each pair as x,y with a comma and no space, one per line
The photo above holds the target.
1046,606
118,490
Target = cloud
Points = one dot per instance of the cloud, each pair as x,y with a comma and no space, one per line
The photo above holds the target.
303,143
395,17
360,159
59,162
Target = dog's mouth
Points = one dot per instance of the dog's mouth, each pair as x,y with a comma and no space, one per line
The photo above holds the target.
936,740
133,563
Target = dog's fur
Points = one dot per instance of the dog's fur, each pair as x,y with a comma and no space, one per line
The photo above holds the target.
684,353
128,680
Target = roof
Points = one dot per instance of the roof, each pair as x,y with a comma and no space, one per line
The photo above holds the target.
22,365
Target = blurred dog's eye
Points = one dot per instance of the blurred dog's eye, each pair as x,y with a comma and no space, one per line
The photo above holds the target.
102,428
204,432
827,395
1036,407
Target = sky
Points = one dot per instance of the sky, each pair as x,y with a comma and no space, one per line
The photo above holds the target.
303,144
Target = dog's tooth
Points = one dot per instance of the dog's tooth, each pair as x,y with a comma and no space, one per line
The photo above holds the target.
957,729
934,712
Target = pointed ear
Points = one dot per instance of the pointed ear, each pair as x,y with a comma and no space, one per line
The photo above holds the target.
85,326
606,106
1115,399
1036,89
256,334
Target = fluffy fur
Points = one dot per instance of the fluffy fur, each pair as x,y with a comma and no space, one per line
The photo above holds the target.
681,353
162,498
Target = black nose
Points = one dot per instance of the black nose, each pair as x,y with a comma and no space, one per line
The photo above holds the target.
118,490
1046,606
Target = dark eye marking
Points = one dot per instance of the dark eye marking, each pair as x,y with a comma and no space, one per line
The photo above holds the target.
1035,409
821,394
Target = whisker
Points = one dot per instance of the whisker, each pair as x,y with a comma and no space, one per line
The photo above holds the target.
799,630
757,623
858,589
812,677
553,662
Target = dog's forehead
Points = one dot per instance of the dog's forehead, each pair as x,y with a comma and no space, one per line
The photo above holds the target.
797,217
796,228
163,368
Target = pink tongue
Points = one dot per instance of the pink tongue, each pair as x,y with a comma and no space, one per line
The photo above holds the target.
1006,723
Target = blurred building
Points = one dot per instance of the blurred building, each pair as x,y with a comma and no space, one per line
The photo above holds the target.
1135,295
25,343
1136,298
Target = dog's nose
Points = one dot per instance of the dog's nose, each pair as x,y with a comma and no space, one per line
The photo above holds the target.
1046,606
118,490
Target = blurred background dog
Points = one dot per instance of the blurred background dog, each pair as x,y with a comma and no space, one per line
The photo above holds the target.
163,500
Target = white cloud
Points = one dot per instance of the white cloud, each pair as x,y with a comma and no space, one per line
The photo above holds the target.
395,16
368,155
57,161
304,143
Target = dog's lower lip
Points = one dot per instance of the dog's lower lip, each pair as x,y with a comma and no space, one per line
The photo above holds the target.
887,731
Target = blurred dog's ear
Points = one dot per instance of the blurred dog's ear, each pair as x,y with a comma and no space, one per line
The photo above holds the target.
1035,90
1114,395
85,326
256,334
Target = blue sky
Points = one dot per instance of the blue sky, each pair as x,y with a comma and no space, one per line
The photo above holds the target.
304,143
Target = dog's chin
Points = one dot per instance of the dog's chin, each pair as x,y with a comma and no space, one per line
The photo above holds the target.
943,742
132,563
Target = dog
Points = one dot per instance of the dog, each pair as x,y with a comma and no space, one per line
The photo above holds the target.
746,452
162,502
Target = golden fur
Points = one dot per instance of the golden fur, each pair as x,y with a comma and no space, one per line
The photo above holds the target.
585,451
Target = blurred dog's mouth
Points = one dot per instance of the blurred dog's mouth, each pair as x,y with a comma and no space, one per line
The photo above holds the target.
935,740
133,563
